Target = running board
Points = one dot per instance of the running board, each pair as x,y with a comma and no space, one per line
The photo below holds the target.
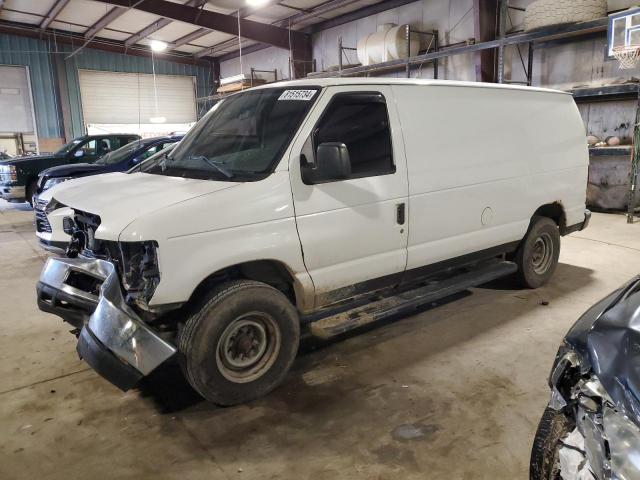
407,301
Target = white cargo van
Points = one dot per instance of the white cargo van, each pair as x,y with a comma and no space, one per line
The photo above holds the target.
325,204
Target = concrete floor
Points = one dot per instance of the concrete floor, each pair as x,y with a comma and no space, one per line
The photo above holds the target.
453,392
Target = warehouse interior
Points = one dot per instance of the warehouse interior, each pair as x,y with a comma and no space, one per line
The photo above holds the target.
452,387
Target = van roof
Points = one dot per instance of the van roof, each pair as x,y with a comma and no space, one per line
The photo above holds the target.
334,81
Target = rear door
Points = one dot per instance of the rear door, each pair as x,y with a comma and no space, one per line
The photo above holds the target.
353,230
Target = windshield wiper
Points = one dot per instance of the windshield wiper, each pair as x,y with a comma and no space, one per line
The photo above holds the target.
213,164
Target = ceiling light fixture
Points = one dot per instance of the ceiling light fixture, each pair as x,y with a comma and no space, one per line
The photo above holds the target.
158,45
257,3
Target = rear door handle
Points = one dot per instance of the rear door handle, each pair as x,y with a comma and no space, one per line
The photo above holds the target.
400,214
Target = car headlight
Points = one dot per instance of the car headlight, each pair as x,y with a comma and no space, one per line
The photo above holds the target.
624,444
52,182
53,205
11,171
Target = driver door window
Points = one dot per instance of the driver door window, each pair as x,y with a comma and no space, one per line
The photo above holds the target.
88,150
361,122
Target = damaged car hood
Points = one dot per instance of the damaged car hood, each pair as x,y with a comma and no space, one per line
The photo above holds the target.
121,198
607,338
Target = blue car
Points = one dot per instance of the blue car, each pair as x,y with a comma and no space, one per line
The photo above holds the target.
116,161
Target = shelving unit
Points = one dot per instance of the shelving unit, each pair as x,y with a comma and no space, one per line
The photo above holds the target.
253,81
534,39
624,91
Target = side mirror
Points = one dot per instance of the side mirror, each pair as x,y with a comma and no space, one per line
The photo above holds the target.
78,153
332,163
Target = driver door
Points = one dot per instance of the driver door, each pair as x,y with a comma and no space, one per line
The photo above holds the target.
352,230
87,152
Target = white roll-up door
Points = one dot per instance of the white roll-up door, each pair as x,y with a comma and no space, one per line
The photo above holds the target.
128,98
16,110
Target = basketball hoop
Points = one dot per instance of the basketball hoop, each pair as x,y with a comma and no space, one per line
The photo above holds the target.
627,55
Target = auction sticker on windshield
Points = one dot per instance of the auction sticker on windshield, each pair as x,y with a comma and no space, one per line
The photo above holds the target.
305,95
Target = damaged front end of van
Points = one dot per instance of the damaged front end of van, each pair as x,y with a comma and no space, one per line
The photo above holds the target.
591,427
112,338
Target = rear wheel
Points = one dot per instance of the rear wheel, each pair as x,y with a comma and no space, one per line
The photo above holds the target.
537,255
241,342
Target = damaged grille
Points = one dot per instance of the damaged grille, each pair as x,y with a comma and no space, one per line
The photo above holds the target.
42,222
135,262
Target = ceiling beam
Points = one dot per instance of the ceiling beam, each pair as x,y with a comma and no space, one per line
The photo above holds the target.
148,30
66,38
158,24
53,13
189,37
201,32
104,21
243,12
256,47
259,32
314,12
363,12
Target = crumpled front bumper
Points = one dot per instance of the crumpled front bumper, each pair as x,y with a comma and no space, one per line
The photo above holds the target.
113,340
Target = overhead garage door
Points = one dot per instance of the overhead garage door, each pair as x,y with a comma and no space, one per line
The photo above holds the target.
128,98
15,101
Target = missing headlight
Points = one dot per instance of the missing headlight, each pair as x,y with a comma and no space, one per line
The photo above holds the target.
140,272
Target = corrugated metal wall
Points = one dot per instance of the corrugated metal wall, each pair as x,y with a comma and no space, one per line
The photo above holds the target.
37,55
34,54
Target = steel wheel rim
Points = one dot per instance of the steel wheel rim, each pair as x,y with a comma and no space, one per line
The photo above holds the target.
248,347
542,253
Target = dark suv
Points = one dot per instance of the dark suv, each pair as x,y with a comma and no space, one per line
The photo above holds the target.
18,176
116,161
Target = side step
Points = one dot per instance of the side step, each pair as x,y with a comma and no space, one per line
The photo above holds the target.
407,301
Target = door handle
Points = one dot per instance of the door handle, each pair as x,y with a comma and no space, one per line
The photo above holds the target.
400,213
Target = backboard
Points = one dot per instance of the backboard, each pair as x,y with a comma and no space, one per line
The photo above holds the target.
624,29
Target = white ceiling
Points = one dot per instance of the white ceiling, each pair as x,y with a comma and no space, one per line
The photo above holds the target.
79,15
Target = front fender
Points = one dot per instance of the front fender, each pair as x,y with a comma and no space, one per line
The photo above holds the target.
186,261
203,235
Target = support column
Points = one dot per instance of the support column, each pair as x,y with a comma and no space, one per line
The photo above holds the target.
63,96
485,13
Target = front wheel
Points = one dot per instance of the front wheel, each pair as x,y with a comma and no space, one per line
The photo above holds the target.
552,429
537,255
241,343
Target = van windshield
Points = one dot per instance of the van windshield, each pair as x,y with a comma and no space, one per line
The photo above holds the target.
241,138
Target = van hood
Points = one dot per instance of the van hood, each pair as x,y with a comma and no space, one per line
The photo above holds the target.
120,198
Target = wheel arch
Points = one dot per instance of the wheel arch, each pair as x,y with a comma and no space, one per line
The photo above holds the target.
270,271
555,211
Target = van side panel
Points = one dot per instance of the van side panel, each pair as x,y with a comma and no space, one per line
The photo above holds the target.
481,160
